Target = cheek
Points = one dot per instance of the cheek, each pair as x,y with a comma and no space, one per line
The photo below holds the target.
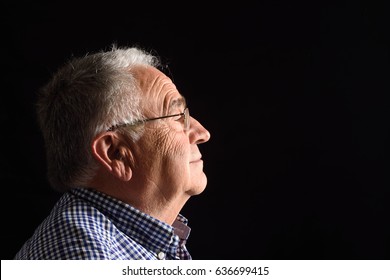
170,152
172,146
176,158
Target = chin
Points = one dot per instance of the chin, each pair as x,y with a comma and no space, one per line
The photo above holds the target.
198,188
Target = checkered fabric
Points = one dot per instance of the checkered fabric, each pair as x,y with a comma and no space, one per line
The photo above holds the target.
89,225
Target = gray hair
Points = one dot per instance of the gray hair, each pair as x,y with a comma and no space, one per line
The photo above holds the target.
85,97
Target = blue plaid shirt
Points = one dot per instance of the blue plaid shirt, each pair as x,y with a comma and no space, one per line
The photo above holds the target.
86,224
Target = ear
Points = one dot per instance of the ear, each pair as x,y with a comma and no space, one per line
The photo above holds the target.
111,151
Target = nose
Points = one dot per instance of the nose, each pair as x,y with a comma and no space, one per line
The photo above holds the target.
197,133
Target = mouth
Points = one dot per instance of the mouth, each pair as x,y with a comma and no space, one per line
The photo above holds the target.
197,160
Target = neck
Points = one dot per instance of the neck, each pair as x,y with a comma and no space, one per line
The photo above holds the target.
151,203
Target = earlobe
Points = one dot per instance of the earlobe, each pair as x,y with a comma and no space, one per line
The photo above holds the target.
111,153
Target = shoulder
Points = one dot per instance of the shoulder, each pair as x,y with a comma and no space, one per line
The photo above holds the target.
79,227
73,230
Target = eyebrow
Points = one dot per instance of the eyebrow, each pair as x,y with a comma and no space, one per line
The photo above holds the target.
176,103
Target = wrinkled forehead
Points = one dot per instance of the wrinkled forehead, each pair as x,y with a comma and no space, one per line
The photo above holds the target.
158,89
148,75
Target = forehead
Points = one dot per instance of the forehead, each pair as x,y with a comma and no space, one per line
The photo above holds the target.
158,88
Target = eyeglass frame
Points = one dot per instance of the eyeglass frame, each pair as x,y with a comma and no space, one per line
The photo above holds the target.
185,114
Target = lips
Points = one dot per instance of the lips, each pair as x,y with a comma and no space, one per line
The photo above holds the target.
196,160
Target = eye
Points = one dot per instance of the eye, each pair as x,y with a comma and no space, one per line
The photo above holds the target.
180,117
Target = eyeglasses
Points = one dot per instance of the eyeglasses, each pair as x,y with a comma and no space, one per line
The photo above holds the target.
185,114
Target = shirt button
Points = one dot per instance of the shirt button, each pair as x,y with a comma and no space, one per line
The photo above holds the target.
161,255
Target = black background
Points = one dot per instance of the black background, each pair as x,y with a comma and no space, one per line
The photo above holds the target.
294,93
